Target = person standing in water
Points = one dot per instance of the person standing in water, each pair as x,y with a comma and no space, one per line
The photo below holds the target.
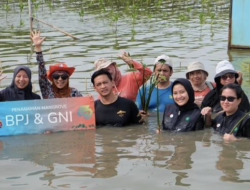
125,85
110,109
197,75
163,70
232,122
225,74
20,87
184,115
58,74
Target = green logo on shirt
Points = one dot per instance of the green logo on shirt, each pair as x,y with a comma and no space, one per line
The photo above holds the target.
187,118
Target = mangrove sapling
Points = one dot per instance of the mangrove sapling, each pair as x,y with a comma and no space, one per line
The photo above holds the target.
145,100
202,19
81,14
6,7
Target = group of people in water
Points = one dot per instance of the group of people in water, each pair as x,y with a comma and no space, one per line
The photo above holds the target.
189,103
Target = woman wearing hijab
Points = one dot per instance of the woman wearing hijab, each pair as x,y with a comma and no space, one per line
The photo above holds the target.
184,115
58,74
225,74
125,85
21,86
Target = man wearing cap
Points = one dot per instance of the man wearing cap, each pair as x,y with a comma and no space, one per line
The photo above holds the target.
125,85
58,74
197,75
225,74
163,70
111,109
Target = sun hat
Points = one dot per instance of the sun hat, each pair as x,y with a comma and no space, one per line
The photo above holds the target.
102,63
165,58
224,67
59,67
195,66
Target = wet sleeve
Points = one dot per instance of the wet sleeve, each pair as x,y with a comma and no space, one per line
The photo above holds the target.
45,85
199,125
134,114
138,99
246,129
163,118
244,105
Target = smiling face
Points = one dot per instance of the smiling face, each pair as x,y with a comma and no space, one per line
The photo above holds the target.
197,77
59,82
103,85
180,95
163,71
229,107
21,79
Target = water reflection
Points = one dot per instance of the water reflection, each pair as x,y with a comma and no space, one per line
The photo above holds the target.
73,151
131,157
175,153
120,155
114,144
230,160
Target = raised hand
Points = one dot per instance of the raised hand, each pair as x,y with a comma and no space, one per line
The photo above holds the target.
240,78
2,76
37,40
126,58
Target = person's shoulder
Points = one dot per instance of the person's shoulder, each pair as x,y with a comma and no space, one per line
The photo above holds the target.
3,91
211,85
211,93
97,101
73,89
36,96
125,100
75,92
171,107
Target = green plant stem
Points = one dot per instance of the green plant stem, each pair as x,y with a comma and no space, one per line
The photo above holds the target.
239,122
157,106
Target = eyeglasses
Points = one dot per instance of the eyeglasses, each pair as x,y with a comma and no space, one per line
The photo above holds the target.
230,76
229,98
57,76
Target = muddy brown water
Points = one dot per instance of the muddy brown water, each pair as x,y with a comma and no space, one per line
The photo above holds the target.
133,157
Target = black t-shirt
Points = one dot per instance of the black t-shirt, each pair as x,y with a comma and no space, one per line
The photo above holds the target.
119,113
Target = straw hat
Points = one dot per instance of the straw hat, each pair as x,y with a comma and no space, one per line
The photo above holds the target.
102,63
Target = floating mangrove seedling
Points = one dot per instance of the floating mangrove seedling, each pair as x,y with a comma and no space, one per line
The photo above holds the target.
81,14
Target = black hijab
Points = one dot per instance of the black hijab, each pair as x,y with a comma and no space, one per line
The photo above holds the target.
12,92
190,91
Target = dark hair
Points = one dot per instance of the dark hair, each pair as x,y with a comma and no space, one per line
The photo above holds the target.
235,87
162,64
100,72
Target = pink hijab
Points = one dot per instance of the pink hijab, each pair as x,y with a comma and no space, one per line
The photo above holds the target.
116,73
